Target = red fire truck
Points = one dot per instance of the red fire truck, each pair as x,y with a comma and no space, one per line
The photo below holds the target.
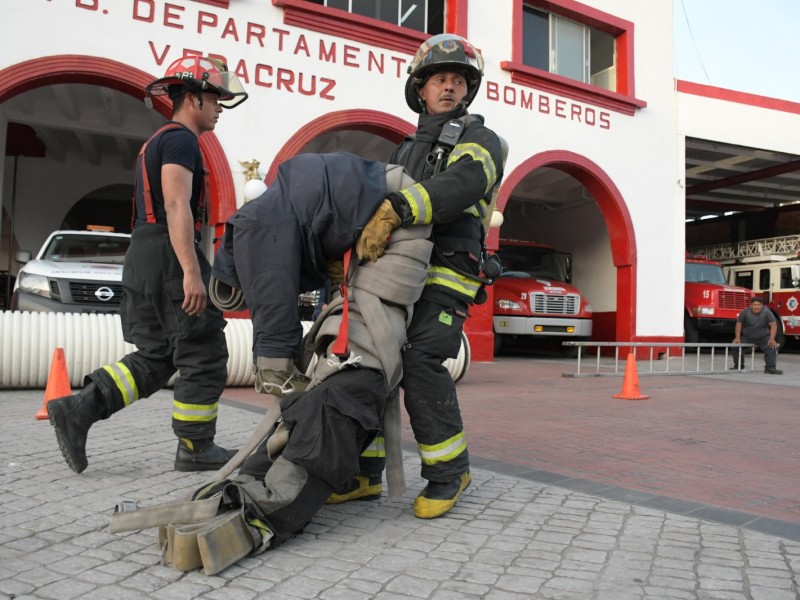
534,298
771,268
710,304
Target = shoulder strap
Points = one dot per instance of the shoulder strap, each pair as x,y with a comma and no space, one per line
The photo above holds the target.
147,193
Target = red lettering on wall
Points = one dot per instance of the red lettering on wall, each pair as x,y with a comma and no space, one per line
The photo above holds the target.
87,4
230,30
327,54
147,5
350,56
205,19
241,71
526,99
285,79
159,58
301,47
260,80
376,61
329,85
401,63
172,19
509,95
254,30
491,91
281,34
307,91
544,105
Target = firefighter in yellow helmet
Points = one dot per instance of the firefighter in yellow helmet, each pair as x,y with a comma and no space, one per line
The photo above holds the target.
457,162
165,311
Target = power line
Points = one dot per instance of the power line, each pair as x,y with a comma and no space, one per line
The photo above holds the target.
694,43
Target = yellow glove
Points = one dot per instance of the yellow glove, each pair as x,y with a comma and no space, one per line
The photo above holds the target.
375,234
335,270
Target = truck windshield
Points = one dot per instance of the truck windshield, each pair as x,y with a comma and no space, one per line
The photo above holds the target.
704,273
527,261
87,249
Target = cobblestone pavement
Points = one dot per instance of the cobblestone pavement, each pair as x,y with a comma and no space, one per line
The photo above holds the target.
508,537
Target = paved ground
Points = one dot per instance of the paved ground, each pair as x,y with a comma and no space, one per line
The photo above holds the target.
693,493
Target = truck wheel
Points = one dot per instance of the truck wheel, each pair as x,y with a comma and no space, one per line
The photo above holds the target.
780,337
572,351
690,333
498,344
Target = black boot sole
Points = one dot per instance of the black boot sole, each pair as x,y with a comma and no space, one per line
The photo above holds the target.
56,417
189,467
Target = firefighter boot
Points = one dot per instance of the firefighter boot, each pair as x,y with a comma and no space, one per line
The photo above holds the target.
437,497
279,377
359,487
201,455
71,417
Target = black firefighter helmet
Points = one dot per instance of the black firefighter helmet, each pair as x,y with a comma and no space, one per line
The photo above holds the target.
443,52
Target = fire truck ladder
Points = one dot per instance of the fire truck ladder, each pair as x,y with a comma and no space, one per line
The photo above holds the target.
782,246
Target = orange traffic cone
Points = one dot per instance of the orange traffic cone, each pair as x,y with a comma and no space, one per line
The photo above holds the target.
630,383
57,382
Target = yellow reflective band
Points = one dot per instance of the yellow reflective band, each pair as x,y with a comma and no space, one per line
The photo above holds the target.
376,449
476,211
473,210
262,527
197,413
444,451
124,381
480,154
452,280
420,203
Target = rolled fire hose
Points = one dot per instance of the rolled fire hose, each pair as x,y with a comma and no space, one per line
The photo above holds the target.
225,297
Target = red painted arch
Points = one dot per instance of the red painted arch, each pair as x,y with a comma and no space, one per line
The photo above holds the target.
93,70
385,125
615,213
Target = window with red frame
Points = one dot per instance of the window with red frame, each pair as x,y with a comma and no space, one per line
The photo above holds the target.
569,48
426,16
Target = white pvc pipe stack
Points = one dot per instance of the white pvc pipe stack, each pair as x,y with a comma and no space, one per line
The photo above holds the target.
27,342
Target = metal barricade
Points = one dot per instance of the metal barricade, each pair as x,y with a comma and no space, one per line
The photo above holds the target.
693,362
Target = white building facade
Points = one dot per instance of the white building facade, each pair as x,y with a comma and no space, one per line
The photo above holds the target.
583,92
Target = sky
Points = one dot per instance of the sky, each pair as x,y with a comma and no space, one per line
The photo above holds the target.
744,45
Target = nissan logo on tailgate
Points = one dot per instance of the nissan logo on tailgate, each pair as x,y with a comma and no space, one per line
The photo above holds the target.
104,294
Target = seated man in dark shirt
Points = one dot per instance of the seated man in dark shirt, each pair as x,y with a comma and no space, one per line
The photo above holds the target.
757,325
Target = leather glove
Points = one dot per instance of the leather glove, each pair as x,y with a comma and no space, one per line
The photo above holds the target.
375,235
335,270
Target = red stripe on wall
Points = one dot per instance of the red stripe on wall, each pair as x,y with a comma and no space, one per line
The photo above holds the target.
718,93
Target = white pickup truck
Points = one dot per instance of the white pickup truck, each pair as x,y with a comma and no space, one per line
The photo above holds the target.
74,271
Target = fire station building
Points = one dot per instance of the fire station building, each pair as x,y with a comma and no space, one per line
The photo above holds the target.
611,159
